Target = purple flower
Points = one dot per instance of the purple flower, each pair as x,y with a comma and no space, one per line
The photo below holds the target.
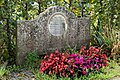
88,66
97,67
84,67
88,60
91,65
97,60
76,62
76,66
76,59
81,59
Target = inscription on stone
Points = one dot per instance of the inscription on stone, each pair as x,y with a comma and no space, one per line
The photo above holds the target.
57,24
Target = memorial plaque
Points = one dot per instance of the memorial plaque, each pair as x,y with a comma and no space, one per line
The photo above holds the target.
55,28
57,24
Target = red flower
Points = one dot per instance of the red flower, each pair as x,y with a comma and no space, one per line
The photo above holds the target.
50,72
63,58
84,72
82,49
57,51
65,66
60,69
46,56
56,58
63,74
66,75
51,55
71,71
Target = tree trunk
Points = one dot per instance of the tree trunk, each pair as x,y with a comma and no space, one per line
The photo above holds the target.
26,9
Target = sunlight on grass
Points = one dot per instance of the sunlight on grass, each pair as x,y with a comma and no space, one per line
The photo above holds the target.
3,72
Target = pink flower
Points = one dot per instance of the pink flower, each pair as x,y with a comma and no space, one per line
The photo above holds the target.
81,59
97,59
73,55
84,67
76,59
76,62
63,58
84,72
65,66
71,71
97,67
46,56
57,51
88,60
51,55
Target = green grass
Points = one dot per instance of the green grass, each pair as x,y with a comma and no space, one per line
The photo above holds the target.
3,73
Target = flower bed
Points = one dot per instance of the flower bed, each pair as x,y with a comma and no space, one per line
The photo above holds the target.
81,63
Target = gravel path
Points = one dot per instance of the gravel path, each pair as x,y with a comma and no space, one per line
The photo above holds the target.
22,75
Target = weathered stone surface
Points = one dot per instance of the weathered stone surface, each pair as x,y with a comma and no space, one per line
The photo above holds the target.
42,34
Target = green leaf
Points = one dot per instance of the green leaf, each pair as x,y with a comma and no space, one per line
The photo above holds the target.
1,2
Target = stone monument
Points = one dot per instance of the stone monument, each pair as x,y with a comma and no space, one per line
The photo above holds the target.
55,28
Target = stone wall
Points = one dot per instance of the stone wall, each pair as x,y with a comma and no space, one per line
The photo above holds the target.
42,34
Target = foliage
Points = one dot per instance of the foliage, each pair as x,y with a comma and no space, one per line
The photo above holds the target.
14,68
82,63
105,20
3,71
7,32
115,52
32,59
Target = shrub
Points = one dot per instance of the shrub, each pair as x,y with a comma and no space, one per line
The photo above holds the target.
57,63
81,63
32,59
89,60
